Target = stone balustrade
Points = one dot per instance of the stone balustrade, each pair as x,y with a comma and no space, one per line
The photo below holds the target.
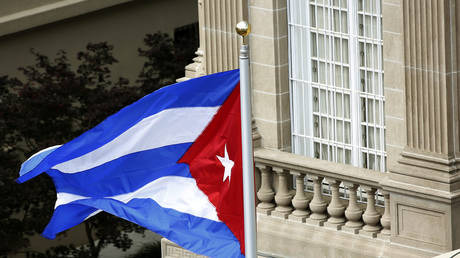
333,201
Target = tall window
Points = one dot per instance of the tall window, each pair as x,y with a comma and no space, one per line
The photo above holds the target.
336,80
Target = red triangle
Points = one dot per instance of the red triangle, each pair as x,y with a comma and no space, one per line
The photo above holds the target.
227,196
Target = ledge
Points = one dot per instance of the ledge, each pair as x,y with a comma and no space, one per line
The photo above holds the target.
295,239
49,13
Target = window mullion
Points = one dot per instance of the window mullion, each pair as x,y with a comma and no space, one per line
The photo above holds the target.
354,82
307,84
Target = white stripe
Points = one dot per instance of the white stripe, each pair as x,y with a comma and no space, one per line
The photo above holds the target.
168,127
52,147
174,192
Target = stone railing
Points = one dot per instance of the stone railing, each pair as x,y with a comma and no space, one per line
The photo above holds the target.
333,200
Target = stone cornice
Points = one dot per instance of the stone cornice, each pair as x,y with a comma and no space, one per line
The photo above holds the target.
49,13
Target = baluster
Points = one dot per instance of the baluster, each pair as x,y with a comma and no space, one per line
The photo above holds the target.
282,197
317,204
265,193
353,212
300,201
336,208
371,217
386,218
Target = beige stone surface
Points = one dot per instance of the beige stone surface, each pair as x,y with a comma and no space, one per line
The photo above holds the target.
395,104
269,78
269,59
262,109
396,131
268,4
394,75
393,46
421,223
275,135
267,50
272,107
393,2
287,238
392,18
393,155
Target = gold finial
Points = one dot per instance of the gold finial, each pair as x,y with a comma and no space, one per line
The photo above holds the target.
243,28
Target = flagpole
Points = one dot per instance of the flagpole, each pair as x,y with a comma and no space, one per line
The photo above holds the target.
250,233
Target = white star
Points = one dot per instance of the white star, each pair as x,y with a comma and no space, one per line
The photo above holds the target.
228,165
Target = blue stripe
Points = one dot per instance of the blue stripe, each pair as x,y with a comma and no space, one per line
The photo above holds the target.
196,234
207,91
65,217
32,162
125,174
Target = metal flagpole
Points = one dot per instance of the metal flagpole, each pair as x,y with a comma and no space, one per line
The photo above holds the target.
250,233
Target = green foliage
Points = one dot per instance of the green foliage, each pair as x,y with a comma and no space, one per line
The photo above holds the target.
156,72
54,104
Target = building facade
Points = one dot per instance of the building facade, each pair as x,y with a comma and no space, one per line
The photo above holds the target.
356,121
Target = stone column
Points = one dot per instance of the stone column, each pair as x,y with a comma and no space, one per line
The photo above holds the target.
353,212
335,209
425,183
283,197
317,205
386,217
265,193
219,43
300,201
371,217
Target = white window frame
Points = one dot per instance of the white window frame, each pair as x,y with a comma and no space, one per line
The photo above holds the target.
355,69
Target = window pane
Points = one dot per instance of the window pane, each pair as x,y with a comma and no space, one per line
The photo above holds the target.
314,45
314,72
315,100
323,102
338,105
371,137
324,153
347,156
312,16
345,51
324,127
339,127
346,78
347,132
321,76
316,126
370,111
346,106
340,155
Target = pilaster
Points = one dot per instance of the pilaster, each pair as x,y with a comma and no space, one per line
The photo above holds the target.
425,183
270,72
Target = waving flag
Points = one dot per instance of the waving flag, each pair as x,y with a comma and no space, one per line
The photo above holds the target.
170,162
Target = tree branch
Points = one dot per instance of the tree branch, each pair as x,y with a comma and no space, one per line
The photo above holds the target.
89,235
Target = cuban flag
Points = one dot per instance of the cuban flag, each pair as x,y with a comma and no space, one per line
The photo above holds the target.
170,162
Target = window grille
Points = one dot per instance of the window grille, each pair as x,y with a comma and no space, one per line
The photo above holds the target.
336,80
